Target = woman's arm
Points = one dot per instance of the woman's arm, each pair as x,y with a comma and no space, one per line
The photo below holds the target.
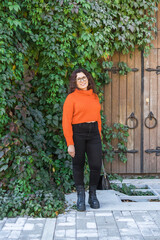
99,124
99,118
67,120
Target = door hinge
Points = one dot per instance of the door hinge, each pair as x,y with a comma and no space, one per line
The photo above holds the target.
119,151
116,70
157,70
157,151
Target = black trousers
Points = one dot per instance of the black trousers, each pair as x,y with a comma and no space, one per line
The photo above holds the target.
87,140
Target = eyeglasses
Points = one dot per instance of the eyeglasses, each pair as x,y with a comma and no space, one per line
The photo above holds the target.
82,79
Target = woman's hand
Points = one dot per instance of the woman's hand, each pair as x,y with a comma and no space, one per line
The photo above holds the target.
71,150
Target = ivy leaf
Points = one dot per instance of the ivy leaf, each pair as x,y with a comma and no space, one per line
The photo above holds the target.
3,168
61,2
55,120
131,27
49,117
12,6
1,154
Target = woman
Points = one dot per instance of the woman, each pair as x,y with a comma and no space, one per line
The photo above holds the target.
81,122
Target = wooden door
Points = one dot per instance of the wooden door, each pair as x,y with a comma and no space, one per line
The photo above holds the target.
137,93
122,98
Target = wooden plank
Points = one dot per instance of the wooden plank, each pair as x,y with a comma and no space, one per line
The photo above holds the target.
154,41
137,96
115,107
158,112
146,100
158,17
158,39
108,114
108,101
153,109
122,107
130,109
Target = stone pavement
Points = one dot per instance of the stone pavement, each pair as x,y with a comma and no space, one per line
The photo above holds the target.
115,220
93,225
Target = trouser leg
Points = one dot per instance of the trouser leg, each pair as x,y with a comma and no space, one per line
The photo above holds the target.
79,159
78,170
94,153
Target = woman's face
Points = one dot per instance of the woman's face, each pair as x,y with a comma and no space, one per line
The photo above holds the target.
82,81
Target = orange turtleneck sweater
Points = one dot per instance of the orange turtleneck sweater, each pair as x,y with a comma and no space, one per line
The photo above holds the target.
80,106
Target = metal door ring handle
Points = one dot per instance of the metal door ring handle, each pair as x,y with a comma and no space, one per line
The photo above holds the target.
150,116
133,118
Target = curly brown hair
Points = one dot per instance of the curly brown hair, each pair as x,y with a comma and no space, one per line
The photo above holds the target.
73,85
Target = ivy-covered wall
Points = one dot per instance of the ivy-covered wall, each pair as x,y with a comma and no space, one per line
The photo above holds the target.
41,43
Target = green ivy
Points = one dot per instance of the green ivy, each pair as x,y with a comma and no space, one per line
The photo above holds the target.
119,132
41,43
42,203
124,69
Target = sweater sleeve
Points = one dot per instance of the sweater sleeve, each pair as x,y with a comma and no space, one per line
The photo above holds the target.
67,120
99,124
99,119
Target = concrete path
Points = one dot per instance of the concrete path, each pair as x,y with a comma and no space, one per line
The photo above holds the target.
115,220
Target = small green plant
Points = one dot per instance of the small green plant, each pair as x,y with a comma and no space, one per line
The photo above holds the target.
74,206
129,190
115,177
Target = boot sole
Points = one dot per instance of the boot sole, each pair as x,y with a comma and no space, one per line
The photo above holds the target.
94,207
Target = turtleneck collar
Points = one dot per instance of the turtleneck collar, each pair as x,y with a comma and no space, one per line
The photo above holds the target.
86,92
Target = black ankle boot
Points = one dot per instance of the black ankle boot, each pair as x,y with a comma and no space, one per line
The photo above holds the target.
93,201
80,198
